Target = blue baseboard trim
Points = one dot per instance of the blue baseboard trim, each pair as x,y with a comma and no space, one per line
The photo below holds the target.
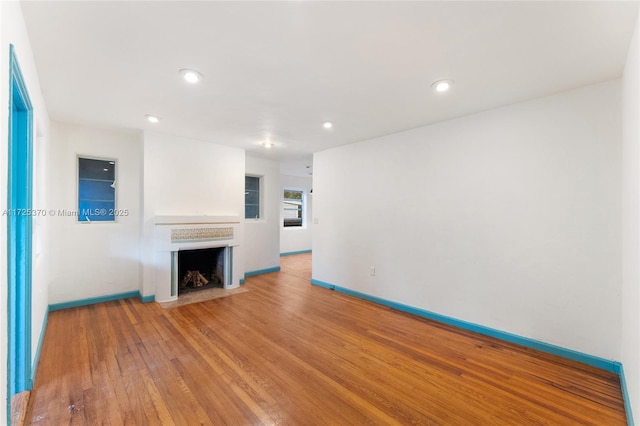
291,253
36,359
625,397
262,271
92,300
322,284
147,299
594,361
241,281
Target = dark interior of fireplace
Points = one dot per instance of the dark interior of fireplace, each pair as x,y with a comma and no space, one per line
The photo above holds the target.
200,269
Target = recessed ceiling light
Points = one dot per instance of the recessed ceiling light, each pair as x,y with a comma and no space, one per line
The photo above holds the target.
191,76
152,118
267,144
327,124
441,86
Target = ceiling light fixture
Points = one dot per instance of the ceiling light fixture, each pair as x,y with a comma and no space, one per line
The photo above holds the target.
268,144
441,86
191,76
327,124
152,118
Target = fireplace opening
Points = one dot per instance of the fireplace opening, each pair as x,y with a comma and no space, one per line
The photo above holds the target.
201,269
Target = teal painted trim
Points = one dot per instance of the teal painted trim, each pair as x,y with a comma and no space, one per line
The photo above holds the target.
229,265
36,359
174,273
291,253
625,397
147,299
92,300
594,361
262,271
241,281
323,284
19,232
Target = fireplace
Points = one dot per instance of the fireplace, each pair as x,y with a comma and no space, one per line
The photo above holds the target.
200,269
202,244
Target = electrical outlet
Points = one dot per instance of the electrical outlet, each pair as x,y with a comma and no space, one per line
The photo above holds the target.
372,271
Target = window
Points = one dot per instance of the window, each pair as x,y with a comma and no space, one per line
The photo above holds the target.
252,197
96,190
293,205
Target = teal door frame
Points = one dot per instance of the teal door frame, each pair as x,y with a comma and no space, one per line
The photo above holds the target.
19,232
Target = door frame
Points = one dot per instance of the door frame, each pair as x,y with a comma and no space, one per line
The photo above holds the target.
19,231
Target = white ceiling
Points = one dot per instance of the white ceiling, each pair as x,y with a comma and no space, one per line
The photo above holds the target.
279,69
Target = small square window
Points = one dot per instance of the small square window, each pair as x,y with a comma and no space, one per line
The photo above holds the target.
96,190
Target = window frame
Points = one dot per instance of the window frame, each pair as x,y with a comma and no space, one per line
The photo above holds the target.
260,197
115,189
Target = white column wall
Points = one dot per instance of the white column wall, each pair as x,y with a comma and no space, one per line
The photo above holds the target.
262,236
510,218
631,223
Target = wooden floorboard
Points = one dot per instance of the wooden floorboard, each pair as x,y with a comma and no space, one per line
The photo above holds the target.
19,403
289,353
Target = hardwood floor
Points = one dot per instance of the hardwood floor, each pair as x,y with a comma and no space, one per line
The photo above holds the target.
286,352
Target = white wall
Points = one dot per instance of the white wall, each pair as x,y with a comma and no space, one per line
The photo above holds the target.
631,223
93,259
509,218
188,177
13,31
262,236
294,239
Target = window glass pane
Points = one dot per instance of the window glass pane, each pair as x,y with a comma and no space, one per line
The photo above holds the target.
96,190
251,211
96,169
252,183
251,197
292,195
96,211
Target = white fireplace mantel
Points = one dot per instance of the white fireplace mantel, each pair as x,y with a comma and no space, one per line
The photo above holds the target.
173,233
